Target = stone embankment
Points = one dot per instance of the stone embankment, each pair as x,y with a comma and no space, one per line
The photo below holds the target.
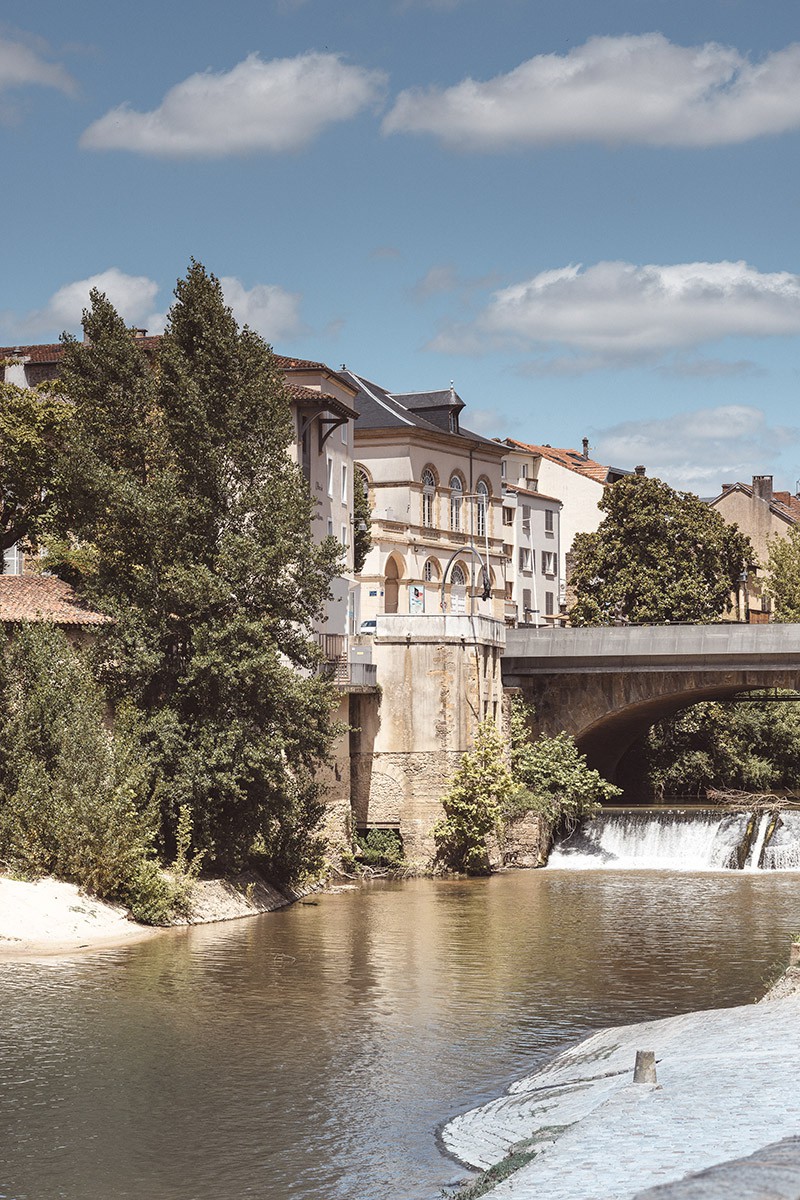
726,1088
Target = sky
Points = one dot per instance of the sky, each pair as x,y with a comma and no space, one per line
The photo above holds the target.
584,214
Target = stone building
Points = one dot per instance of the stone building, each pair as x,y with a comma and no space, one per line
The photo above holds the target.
762,514
532,540
436,495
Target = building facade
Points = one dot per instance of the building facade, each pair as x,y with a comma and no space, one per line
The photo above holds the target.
435,490
763,514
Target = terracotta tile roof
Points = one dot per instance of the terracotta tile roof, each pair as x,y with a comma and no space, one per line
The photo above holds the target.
39,354
523,491
789,502
307,395
571,459
43,598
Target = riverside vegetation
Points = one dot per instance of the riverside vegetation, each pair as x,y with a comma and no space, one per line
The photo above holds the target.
503,780
167,499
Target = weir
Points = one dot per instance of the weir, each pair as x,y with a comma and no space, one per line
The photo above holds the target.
682,840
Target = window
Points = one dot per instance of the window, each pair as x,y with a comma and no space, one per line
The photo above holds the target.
481,509
508,516
526,600
330,526
430,571
509,590
457,576
344,433
453,422
503,469
428,497
548,604
329,465
524,559
548,562
524,471
344,536
344,483
548,520
13,560
456,498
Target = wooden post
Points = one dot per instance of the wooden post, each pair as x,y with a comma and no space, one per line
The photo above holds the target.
645,1069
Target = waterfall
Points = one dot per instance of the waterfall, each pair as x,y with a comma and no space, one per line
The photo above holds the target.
682,840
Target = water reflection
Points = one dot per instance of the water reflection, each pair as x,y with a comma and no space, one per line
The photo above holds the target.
312,1052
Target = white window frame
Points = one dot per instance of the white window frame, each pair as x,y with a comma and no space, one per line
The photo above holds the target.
344,483
329,468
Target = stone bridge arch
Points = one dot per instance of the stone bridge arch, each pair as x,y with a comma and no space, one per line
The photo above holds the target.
608,686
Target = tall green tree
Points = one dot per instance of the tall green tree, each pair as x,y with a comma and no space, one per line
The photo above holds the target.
32,422
783,575
185,519
658,556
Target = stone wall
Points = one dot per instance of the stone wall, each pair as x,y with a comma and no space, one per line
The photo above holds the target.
439,677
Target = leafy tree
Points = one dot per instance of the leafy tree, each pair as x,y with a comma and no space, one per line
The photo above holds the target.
32,422
552,775
362,522
748,747
480,791
658,556
783,575
184,518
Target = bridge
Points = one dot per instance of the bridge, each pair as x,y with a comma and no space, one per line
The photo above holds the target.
608,685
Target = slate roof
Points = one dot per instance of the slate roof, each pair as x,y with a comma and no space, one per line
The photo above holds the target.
43,598
572,459
380,409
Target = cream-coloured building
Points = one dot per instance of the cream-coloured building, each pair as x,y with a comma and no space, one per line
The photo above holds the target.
571,477
435,490
762,514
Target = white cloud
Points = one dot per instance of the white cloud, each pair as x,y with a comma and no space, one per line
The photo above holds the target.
273,106
21,66
267,308
616,313
700,450
641,89
132,295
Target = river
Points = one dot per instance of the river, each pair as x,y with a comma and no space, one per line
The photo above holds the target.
311,1054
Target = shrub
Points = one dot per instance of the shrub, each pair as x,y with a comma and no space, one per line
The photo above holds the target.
481,788
380,848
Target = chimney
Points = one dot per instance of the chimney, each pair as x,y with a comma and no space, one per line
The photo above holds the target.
585,447
139,333
640,470
762,487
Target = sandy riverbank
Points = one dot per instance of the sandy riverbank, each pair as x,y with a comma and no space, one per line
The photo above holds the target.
48,916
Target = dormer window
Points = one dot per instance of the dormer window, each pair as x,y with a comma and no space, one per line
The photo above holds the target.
453,422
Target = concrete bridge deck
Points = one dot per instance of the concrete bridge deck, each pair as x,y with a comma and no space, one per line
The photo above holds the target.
608,685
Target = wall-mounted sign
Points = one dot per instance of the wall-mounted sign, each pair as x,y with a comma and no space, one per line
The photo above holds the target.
416,599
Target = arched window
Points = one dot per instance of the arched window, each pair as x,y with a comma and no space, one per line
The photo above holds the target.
428,497
456,500
482,507
430,571
457,576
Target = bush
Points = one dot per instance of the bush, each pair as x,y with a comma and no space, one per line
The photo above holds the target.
482,787
72,794
380,848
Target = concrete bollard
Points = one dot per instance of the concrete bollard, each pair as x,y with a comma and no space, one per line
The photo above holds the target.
794,954
645,1069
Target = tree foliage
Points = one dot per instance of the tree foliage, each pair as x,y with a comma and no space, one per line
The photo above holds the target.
32,422
183,517
658,556
73,796
362,522
749,746
552,776
783,575
480,791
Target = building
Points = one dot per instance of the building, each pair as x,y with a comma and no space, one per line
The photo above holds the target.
531,532
573,478
762,514
436,494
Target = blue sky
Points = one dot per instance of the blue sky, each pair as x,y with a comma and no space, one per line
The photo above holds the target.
584,213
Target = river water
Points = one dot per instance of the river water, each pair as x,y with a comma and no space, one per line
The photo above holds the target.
310,1054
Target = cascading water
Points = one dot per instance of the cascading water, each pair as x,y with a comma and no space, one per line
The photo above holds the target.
682,840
